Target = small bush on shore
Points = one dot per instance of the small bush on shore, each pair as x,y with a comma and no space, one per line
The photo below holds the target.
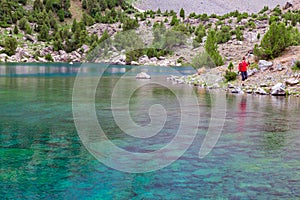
230,76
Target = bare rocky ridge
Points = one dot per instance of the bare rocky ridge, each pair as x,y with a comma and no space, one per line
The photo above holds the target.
208,6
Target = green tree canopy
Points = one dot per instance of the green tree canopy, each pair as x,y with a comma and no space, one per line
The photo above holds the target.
276,39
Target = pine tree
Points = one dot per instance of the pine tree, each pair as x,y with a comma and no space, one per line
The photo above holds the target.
44,33
83,4
182,14
16,30
211,48
38,5
22,23
28,29
276,39
10,45
74,26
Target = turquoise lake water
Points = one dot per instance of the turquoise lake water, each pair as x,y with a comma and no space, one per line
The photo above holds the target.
42,157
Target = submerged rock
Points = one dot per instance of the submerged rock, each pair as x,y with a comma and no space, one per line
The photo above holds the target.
237,91
143,75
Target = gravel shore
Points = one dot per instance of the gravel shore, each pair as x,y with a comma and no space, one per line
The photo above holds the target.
208,6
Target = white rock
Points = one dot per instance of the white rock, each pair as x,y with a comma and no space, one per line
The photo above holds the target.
278,90
292,81
3,56
134,63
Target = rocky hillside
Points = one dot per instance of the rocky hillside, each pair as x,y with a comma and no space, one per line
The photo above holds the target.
32,48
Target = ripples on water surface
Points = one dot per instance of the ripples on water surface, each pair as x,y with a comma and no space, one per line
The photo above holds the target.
42,157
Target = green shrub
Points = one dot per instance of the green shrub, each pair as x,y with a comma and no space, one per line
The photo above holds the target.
174,21
251,25
202,60
262,17
204,17
192,15
239,34
276,39
223,35
49,57
22,23
266,8
273,18
294,36
230,76
61,15
277,11
230,66
10,45
130,24
200,32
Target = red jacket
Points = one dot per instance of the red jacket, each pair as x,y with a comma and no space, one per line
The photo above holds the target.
243,66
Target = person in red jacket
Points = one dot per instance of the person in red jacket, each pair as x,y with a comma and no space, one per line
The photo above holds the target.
243,69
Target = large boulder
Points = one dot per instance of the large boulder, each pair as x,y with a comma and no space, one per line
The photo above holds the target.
278,90
264,65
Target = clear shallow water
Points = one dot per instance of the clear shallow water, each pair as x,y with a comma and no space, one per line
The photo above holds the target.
42,157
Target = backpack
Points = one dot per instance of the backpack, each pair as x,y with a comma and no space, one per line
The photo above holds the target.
240,66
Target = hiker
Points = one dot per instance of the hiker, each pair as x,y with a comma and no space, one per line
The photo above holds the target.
243,69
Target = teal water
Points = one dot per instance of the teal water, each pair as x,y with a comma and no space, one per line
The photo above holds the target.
42,157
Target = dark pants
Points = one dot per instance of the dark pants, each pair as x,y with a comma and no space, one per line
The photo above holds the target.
244,75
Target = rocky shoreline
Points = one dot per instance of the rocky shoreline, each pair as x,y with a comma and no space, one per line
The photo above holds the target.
269,78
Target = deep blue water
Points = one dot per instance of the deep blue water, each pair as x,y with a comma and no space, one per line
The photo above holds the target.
42,156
